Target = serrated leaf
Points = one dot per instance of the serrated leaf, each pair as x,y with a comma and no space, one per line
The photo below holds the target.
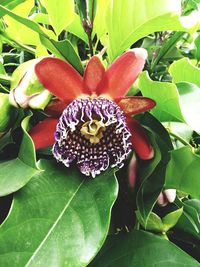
62,216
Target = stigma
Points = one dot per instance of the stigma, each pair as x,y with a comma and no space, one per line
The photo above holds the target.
92,132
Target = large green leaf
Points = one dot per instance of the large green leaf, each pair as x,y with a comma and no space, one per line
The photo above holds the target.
17,172
183,171
166,96
142,249
60,218
61,13
141,18
184,71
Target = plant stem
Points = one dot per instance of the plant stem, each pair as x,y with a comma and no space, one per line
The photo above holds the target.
89,26
184,142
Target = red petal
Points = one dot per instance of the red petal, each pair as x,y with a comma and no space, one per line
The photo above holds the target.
93,74
55,108
135,104
140,140
60,78
43,133
122,73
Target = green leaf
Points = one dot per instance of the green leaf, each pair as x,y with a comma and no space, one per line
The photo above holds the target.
197,44
190,219
17,31
166,47
154,222
171,219
166,96
142,249
10,4
61,13
52,45
62,216
183,171
17,172
189,101
77,29
63,49
152,173
134,24
184,71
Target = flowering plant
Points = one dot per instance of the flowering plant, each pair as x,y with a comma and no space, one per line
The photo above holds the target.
99,133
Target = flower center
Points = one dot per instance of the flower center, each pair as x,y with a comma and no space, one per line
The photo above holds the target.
93,131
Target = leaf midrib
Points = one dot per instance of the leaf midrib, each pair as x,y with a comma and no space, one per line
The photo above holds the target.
54,225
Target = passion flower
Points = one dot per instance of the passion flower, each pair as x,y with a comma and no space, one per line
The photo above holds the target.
95,128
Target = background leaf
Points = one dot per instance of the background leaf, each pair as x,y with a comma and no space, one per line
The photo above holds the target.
61,13
166,96
62,216
17,172
142,249
184,71
183,171
130,20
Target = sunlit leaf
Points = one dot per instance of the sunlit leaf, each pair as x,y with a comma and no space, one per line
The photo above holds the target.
184,71
61,13
183,171
166,96
128,21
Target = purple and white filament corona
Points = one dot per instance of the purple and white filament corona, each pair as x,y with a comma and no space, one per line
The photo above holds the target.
93,133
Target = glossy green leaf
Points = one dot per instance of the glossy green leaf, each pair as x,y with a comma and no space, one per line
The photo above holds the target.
189,222
184,71
171,219
63,49
152,173
189,101
61,13
135,24
62,216
17,172
166,96
158,225
142,249
154,222
183,171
